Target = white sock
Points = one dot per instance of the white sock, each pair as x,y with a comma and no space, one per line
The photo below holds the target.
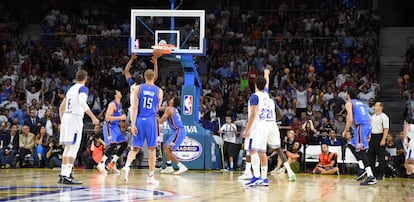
104,158
289,170
255,164
231,165
63,170
151,173
361,164
68,170
248,169
264,172
115,158
369,171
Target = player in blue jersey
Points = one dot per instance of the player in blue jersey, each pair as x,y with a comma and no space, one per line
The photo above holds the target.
112,134
173,118
147,100
71,112
133,82
357,112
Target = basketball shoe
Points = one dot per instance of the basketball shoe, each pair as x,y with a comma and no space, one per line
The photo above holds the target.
112,167
69,180
182,169
245,176
361,175
254,181
292,178
167,170
263,182
369,181
151,180
101,168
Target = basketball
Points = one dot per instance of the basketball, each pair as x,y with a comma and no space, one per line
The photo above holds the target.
157,53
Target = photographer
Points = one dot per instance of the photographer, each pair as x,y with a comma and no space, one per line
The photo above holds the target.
54,154
95,148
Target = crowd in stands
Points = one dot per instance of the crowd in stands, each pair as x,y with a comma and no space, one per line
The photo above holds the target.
314,55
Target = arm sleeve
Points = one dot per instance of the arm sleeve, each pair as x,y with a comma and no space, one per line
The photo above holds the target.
83,96
254,100
266,90
130,81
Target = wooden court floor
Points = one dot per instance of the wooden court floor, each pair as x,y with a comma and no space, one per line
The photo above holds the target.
41,185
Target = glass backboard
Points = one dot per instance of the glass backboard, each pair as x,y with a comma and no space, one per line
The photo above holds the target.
182,30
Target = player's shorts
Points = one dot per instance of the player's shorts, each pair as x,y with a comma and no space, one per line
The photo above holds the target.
112,134
361,135
263,133
147,130
230,149
129,115
246,144
177,137
410,151
71,130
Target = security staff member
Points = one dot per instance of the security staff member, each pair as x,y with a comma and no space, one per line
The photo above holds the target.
380,127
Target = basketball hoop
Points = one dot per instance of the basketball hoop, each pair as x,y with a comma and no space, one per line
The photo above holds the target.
164,47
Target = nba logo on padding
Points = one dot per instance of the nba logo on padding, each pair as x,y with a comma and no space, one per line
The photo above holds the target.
188,105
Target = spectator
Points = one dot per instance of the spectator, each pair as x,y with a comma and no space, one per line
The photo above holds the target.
399,160
310,131
26,146
10,147
323,137
339,124
327,162
42,146
33,122
332,140
32,94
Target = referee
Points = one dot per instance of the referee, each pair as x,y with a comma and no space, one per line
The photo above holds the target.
380,126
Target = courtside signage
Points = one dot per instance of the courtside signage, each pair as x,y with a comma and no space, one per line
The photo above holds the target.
189,150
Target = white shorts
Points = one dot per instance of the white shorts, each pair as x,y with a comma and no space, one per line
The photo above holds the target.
410,151
246,144
71,130
129,115
263,133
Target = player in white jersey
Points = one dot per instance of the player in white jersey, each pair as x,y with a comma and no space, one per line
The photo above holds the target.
71,112
408,143
261,129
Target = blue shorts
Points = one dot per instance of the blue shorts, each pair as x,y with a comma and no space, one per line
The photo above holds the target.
177,138
147,130
361,135
112,134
